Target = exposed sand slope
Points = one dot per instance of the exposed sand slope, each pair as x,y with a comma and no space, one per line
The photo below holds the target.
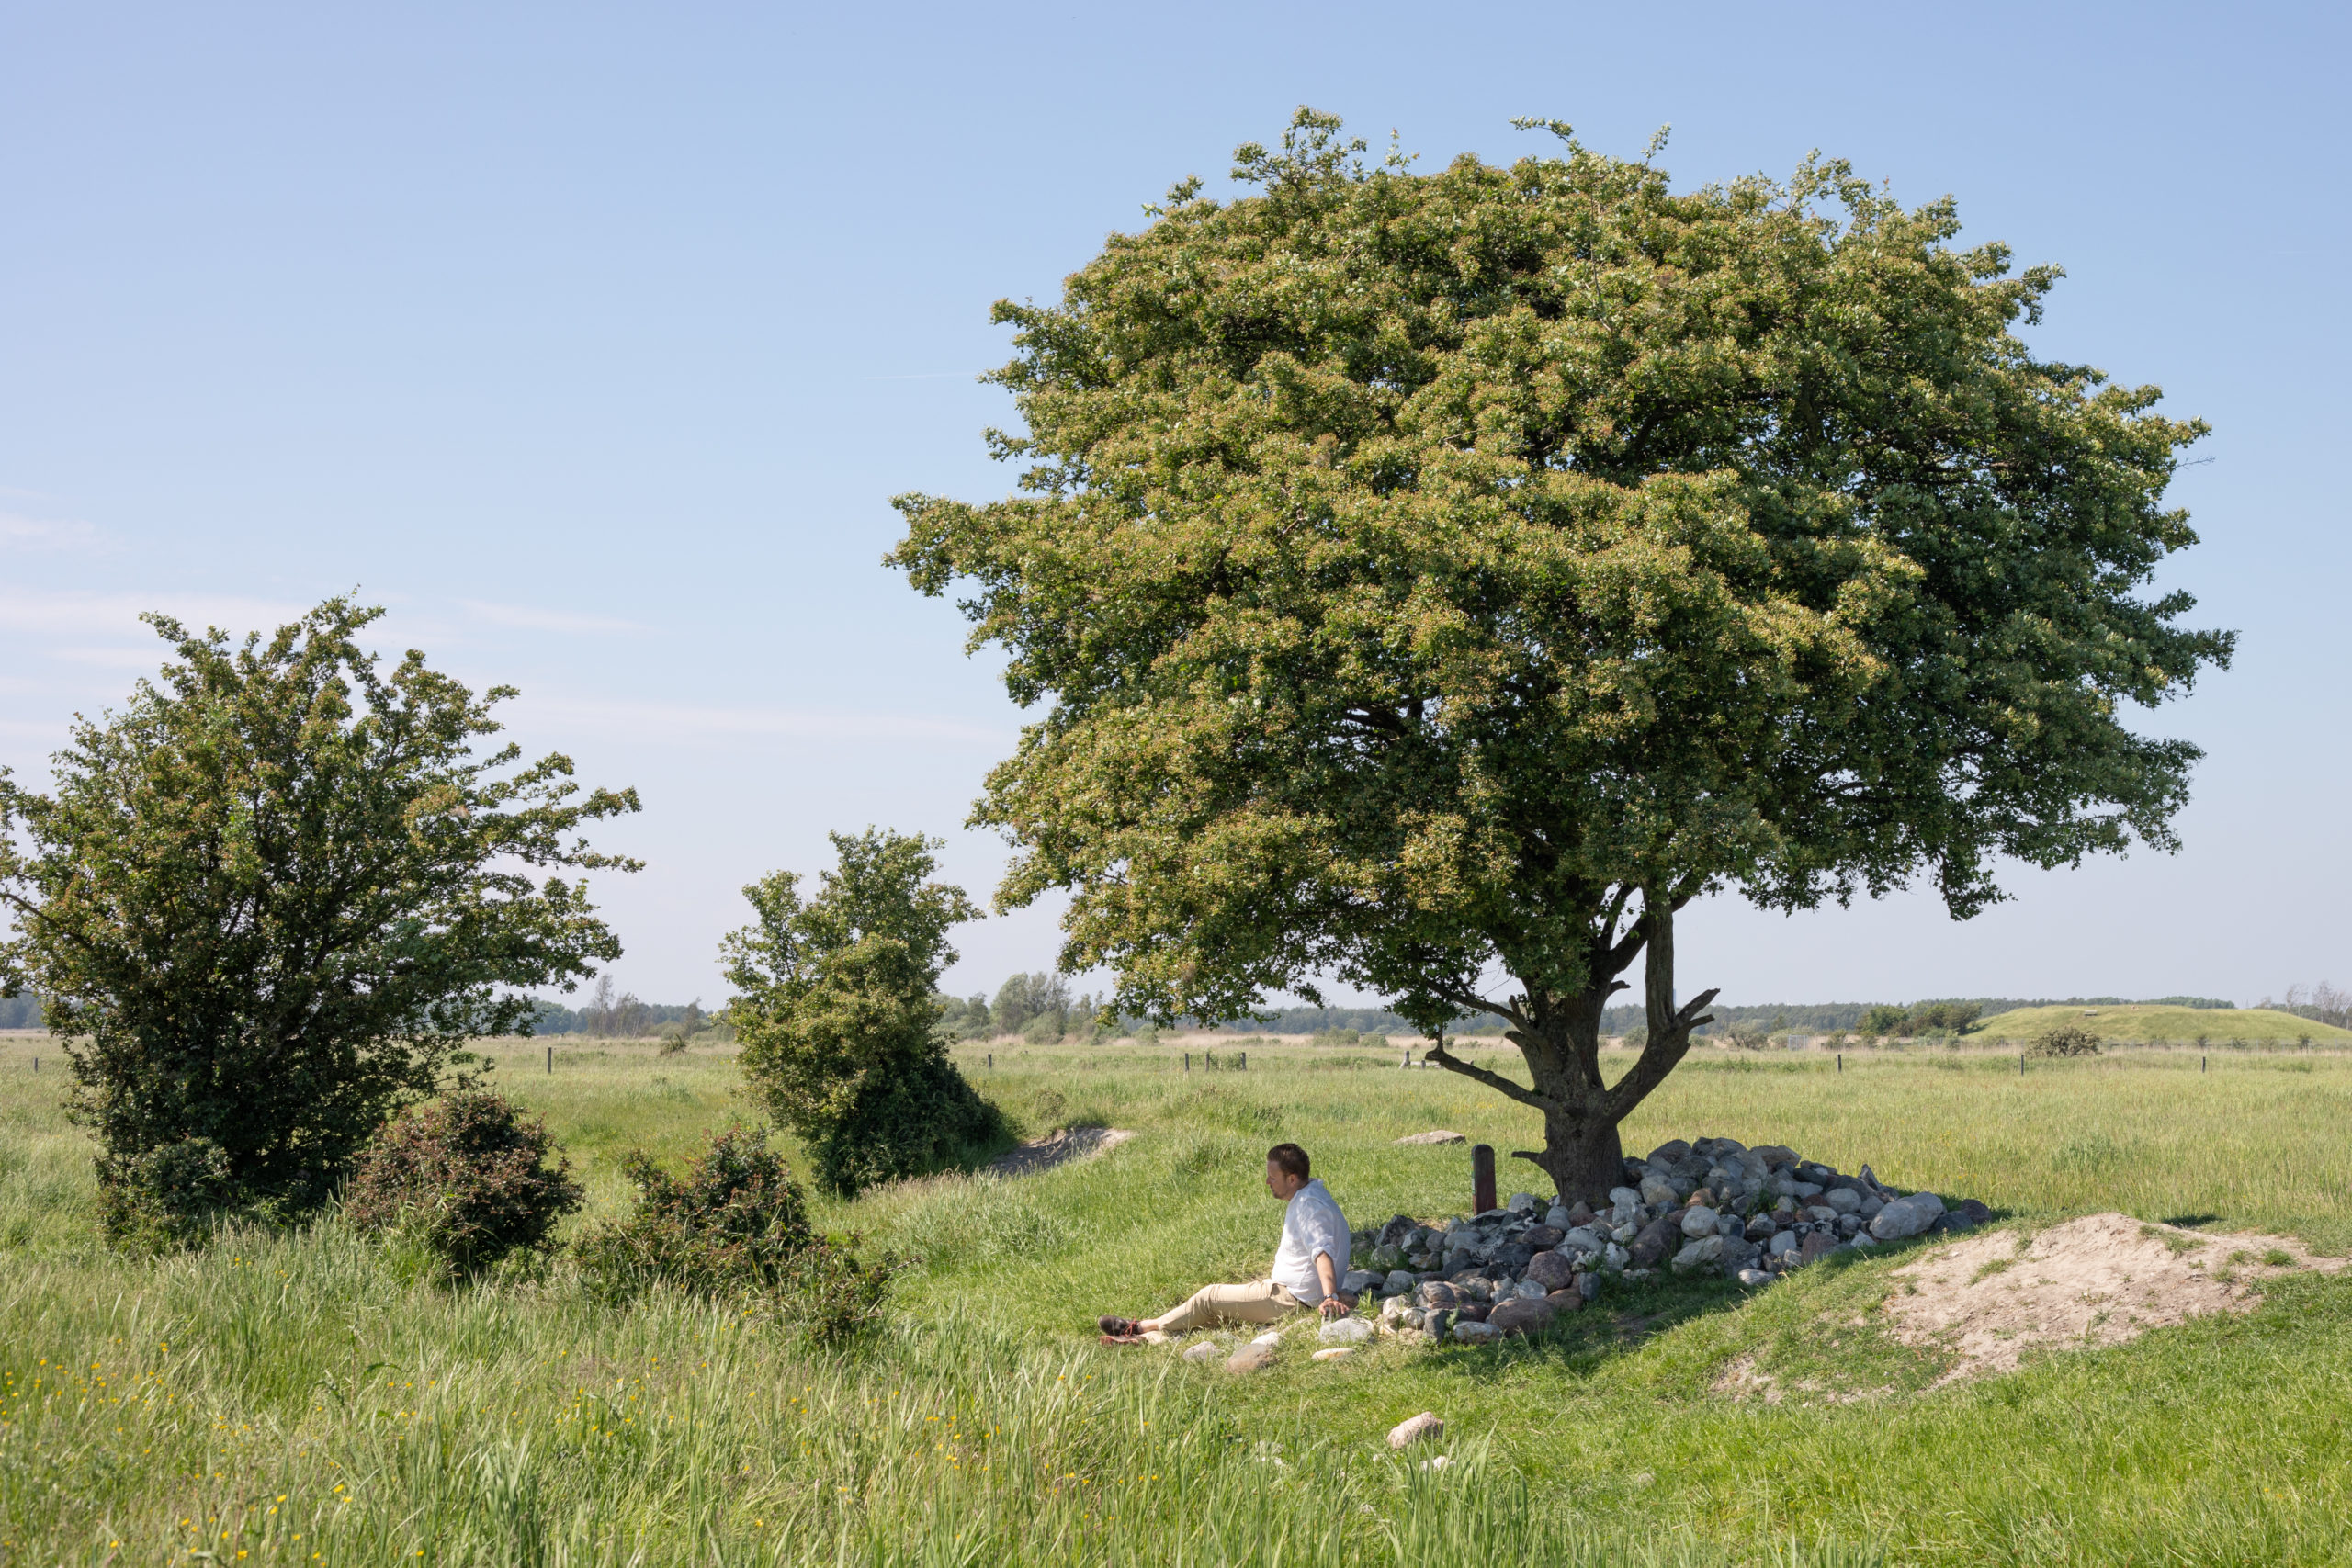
2102,1279
1069,1144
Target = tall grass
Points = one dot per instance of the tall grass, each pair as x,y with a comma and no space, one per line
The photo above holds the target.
300,1398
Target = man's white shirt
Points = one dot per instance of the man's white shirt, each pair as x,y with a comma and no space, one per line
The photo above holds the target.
1312,1223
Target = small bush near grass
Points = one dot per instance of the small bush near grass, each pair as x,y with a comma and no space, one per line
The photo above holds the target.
734,1227
466,1180
2067,1040
170,1199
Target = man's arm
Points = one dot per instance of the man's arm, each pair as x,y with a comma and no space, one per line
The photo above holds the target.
1333,1303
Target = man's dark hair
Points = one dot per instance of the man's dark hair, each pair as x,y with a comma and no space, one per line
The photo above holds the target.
1288,1158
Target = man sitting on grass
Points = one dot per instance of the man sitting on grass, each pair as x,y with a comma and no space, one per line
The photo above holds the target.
1307,1264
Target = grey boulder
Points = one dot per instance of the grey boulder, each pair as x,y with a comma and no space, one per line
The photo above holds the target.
1251,1357
1705,1250
1902,1218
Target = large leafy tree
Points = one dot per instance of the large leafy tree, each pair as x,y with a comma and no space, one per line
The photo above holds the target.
838,1013
1437,582
268,899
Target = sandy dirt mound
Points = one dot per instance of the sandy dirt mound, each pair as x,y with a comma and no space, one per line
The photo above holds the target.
2102,1279
1069,1144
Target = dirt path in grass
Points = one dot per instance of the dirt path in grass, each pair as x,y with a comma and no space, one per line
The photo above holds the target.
2102,1279
1044,1154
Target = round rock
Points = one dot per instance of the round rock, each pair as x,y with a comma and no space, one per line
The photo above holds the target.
1413,1429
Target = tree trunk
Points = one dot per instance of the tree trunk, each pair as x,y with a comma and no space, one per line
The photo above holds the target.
1582,1156
1560,1037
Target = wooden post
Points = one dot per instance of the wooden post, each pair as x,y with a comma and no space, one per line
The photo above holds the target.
551,1061
1188,1061
1841,1060
992,1061
2200,1064
1482,1177
1241,1062
2020,1064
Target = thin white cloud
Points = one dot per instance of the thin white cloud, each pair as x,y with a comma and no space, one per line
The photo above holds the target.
667,720
531,618
70,612
50,536
142,658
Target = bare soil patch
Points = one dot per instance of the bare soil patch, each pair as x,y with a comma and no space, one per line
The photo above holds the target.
1061,1148
2102,1279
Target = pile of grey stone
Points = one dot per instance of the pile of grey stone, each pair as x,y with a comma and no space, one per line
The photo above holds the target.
1713,1206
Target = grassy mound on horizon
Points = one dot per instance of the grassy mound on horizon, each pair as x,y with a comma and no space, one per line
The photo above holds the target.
2139,1024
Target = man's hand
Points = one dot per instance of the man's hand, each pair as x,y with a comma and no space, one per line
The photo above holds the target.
1333,1303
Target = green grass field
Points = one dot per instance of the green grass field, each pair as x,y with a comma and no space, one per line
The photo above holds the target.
2137,1024
297,1399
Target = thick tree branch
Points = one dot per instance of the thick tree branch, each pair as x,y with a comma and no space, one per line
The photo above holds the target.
1471,1001
1495,1081
1658,1058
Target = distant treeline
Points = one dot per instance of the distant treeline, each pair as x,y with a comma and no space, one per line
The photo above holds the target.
623,1017
1040,1006
1828,1018
1045,1001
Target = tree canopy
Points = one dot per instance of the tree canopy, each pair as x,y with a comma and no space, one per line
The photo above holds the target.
1436,577
267,899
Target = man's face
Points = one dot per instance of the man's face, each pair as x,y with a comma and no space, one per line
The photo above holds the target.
1282,1183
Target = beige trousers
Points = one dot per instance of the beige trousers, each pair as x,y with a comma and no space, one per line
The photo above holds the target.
1261,1301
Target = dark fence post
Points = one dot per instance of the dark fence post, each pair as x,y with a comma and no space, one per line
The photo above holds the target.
551,1061
1241,1062
1482,1177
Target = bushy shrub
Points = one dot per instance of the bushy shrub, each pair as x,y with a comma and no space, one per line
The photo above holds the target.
2067,1040
732,1224
734,1227
466,1178
925,1117
170,1196
835,1010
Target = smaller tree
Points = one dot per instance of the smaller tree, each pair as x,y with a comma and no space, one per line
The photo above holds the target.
1012,1010
836,1014
269,900
1884,1020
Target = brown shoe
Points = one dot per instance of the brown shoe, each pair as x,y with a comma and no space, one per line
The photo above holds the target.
1118,1327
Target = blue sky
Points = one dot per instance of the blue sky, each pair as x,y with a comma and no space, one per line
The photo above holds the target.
593,341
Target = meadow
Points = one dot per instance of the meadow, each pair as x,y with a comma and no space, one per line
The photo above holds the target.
306,1398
